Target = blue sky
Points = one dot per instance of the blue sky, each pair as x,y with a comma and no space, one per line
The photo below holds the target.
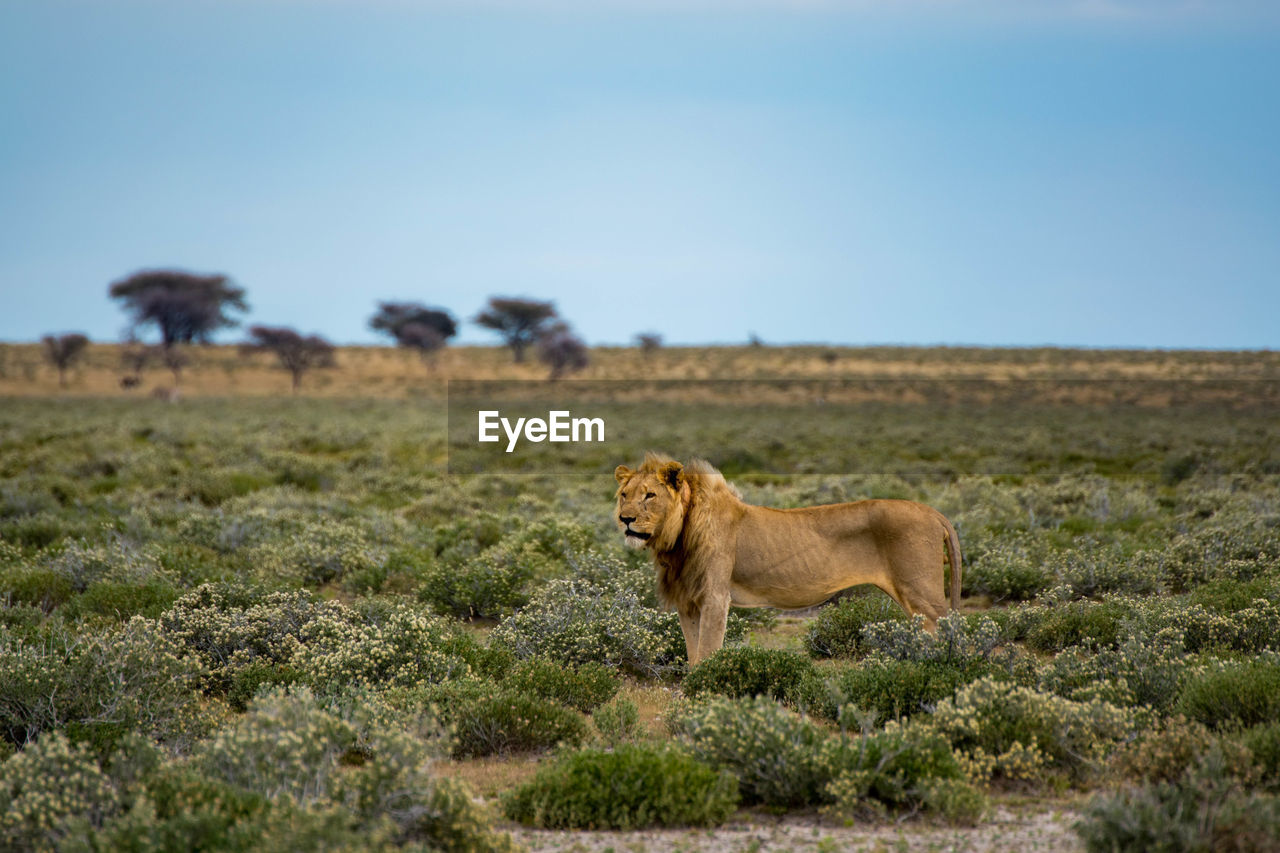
1099,173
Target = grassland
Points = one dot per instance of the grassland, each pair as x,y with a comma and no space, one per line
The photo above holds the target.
249,618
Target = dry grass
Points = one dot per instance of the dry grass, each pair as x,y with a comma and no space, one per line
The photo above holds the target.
394,373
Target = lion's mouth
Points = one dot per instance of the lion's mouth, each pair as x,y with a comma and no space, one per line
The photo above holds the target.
637,535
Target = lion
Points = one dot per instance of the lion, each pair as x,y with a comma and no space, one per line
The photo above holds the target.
712,550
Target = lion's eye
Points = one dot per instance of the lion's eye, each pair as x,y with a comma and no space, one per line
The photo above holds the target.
650,495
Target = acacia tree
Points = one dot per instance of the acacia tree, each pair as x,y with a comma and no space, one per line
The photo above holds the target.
521,322
187,308
561,350
63,351
415,326
297,354
649,343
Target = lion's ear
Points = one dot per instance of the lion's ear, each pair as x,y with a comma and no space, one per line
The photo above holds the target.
621,473
672,474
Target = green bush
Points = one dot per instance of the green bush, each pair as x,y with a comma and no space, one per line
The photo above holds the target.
583,688
1203,812
1094,625
891,688
617,722
231,627
123,599
838,630
1236,695
898,768
786,676
490,585
1146,670
42,588
488,720
1263,743
633,787
779,757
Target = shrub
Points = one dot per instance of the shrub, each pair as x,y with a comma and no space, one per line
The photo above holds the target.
99,686
583,688
1263,743
1009,570
779,757
747,671
577,620
489,721
1090,624
42,588
1203,811
891,689
123,599
489,585
51,793
959,640
838,630
401,647
617,723
1145,670
633,787
1165,753
229,628
292,748
897,768
1236,695
319,553
1017,733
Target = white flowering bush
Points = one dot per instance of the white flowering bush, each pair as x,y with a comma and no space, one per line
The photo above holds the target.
578,621
400,647
51,793
293,749
1146,670
319,553
101,686
959,639
779,757
233,629
1002,730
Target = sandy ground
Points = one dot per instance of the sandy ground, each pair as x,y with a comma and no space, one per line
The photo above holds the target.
1044,830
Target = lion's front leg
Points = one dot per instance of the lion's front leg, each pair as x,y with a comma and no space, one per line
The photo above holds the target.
711,627
689,618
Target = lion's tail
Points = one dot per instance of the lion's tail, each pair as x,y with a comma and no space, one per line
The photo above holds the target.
955,560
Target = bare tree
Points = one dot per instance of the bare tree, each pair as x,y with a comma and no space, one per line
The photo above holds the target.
63,351
297,354
415,326
187,308
520,321
562,351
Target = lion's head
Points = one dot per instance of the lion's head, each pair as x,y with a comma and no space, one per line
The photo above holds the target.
652,502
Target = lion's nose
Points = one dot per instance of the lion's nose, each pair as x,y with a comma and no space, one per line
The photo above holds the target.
626,519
